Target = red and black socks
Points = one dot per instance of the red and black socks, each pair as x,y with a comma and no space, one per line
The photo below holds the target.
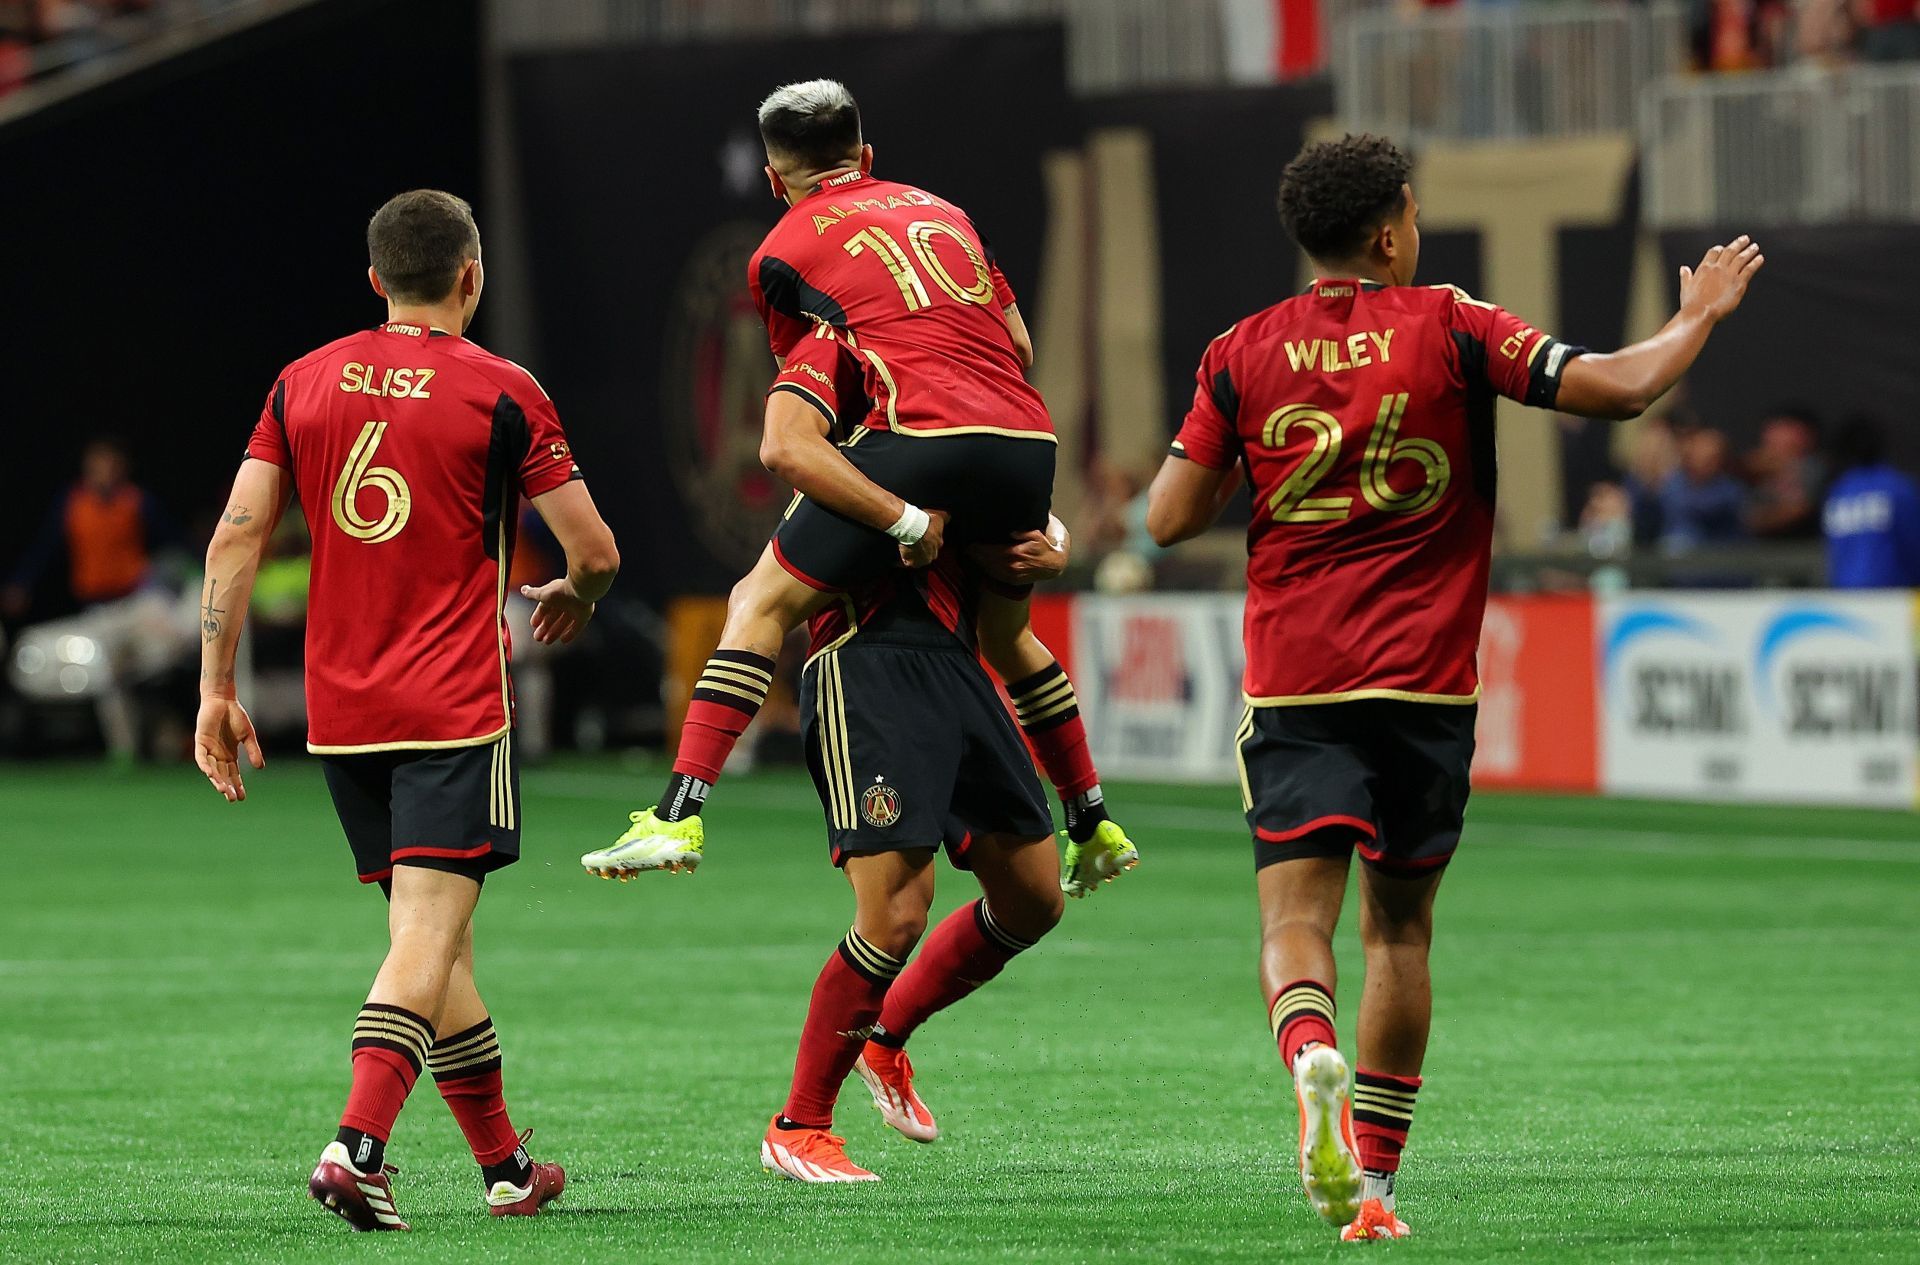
466,1070
390,1047
967,949
1382,1114
846,1001
725,700
1301,1014
1049,713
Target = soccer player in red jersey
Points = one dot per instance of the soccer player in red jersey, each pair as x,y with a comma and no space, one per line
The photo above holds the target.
410,448
911,751
1361,414
906,282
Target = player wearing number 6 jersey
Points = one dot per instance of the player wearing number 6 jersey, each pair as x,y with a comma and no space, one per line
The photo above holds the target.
410,449
1361,413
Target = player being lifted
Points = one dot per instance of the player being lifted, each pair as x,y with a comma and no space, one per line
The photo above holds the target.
907,282
1362,414
910,751
410,448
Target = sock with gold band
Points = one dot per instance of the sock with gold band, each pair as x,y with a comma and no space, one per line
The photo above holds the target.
1301,1014
725,700
390,1047
966,950
466,1070
1049,714
1382,1115
846,1001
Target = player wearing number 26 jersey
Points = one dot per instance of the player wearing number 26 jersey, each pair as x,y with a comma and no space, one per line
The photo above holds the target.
1361,411
1364,416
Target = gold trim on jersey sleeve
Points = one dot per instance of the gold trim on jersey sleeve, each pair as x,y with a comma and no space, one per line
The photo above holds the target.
1351,696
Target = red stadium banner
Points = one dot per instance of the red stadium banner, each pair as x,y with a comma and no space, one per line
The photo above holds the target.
1538,703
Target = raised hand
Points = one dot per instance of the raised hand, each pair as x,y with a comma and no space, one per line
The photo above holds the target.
1715,288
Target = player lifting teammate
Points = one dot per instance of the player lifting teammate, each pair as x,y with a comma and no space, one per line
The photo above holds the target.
911,751
906,283
410,448
1362,413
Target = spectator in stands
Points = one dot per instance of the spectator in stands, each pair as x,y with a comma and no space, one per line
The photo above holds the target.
1872,514
1652,458
1788,477
1889,29
107,526
1701,503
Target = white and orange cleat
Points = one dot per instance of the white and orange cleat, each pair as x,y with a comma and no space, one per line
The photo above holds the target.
1375,1221
889,1075
809,1155
1329,1156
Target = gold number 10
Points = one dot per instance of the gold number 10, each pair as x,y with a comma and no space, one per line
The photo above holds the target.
920,235
1292,501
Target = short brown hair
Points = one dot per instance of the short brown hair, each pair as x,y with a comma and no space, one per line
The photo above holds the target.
419,241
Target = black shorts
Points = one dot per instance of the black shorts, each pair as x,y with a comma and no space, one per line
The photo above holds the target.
993,486
1387,776
456,809
910,747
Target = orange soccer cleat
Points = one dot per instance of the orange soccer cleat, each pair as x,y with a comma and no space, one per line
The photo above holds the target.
1329,1156
809,1155
889,1075
1375,1221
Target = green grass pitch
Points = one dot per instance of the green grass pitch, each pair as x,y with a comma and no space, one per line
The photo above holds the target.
1663,1033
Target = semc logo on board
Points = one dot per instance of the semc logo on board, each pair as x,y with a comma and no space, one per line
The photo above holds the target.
1768,697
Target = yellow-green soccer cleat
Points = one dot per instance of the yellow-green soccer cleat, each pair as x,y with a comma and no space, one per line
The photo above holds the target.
650,844
1329,1154
1101,859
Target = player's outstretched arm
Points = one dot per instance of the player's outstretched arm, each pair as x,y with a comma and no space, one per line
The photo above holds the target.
1186,498
1032,557
223,730
1625,383
564,606
795,449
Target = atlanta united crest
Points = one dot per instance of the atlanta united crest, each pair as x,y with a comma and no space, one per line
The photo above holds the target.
880,804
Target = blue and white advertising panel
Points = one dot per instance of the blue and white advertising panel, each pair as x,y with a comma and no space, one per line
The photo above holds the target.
1159,684
1802,697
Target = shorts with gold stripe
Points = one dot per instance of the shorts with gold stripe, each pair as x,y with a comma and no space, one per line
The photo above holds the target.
455,809
910,747
1385,777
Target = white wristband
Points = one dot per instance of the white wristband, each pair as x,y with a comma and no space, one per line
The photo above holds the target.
911,525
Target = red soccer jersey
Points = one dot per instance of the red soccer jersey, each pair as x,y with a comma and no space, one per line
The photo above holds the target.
909,278
410,450
1364,416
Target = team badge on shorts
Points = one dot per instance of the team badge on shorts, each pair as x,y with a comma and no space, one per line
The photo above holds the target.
880,804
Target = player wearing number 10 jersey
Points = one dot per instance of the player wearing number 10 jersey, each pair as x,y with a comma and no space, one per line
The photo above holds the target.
905,286
1361,412
410,448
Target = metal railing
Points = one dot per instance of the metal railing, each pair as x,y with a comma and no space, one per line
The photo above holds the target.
1502,73
1803,146
1112,45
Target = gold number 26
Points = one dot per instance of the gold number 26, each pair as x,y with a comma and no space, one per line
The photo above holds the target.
1293,502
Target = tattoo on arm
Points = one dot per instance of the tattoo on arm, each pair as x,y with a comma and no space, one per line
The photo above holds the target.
238,515
210,614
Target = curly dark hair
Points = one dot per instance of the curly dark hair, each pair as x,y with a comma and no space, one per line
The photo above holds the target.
1335,194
